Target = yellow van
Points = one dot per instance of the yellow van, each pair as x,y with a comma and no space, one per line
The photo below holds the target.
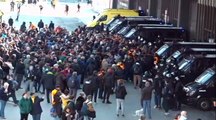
108,14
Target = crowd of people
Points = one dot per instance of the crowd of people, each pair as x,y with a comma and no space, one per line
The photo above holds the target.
53,61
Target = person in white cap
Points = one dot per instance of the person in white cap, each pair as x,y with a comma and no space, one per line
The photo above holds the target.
4,95
183,115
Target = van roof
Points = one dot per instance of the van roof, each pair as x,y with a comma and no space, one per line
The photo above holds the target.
154,25
180,28
117,10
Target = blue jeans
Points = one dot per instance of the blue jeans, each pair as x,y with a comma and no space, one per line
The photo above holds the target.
147,106
3,104
36,117
157,99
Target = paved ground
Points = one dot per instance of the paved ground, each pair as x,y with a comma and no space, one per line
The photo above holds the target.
31,13
104,111
107,111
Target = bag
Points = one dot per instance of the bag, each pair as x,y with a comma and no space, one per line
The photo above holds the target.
84,109
53,112
137,69
91,114
15,84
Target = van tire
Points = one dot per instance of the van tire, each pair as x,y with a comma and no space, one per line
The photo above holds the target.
204,104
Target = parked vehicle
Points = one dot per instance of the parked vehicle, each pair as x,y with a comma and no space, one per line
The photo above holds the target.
168,34
126,29
116,20
108,14
133,22
189,67
202,91
169,47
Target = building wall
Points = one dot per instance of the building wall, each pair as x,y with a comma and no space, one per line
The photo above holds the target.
198,17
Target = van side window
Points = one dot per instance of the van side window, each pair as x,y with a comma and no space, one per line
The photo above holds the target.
103,18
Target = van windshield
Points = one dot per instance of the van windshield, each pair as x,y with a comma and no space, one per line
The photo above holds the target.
205,77
130,33
124,29
162,49
175,55
113,23
185,64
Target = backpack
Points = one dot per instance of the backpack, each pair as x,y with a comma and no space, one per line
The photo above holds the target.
84,109
137,69
72,82
53,112
15,84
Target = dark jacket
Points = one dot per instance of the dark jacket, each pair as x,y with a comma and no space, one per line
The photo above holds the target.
79,103
146,93
20,68
121,92
3,96
109,79
36,107
49,80
157,84
95,82
88,87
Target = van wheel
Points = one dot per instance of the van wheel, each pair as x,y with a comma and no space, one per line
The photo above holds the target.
204,104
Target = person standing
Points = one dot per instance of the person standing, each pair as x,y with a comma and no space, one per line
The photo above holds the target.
120,96
108,85
12,4
18,11
10,22
41,8
25,105
146,94
95,85
79,103
167,93
30,78
78,7
20,67
66,9
36,107
40,24
73,84
48,79
4,95
51,26
137,74
56,101
13,85
157,84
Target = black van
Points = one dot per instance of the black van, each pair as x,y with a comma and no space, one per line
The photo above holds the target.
202,92
169,47
191,66
126,29
117,19
133,22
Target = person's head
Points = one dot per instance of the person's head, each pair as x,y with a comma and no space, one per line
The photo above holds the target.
31,67
25,95
58,87
82,94
89,97
142,117
6,85
184,113
74,73
147,84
